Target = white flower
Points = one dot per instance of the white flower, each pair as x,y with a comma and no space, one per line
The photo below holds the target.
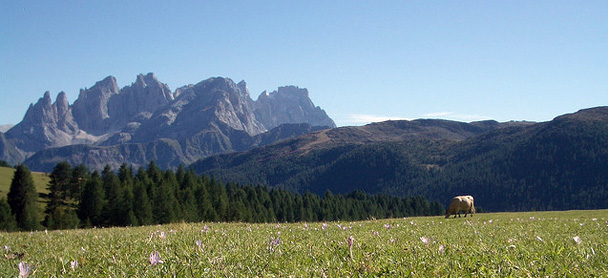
441,249
74,264
577,239
425,240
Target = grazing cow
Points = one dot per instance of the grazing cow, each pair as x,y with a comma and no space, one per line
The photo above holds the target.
461,203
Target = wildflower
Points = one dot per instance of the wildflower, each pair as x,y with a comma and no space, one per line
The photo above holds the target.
205,229
387,226
199,244
305,226
577,239
375,233
74,264
392,240
7,248
350,242
25,269
532,218
412,222
274,242
490,221
441,249
162,235
155,258
425,240
324,226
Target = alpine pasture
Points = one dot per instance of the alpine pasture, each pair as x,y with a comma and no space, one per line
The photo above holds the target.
526,244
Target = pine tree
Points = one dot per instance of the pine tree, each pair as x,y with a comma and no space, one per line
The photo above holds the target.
22,198
80,175
142,208
57,206
7,219
91,207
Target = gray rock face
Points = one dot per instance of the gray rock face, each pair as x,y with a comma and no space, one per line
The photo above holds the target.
45,125
90,110
137,102
214,116
201,108
289,104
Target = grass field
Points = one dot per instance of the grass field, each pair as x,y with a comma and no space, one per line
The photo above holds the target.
40,181
6,176
534,244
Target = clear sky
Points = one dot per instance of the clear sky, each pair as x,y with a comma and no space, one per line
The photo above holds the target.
361,61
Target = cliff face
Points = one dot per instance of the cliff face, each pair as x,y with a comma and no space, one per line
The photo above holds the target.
290,104
213,116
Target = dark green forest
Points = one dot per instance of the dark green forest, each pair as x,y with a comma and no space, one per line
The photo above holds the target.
557,165
126,197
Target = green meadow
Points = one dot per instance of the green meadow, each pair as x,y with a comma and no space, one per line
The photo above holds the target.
41,181
531,244
6,176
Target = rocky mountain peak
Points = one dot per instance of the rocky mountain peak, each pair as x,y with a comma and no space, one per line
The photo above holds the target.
214,115
62,105
289,104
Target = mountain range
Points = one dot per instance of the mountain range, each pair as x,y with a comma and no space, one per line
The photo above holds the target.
146,121
283,140
512,166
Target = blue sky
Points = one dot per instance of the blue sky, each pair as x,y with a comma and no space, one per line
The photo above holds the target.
361,61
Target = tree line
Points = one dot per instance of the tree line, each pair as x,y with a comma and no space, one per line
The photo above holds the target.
78,197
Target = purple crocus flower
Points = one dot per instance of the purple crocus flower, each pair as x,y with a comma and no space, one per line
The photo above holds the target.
25,269
155,258
274,242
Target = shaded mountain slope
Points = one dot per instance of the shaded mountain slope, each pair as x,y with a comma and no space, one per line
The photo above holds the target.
560,164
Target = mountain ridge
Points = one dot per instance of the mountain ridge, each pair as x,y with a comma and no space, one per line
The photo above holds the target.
211,116
509,166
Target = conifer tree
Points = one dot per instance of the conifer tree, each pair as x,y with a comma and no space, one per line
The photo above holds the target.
113,210
80,175
90,209
7,219
142,208
22,198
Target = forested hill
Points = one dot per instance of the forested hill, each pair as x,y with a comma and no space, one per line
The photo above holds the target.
559,164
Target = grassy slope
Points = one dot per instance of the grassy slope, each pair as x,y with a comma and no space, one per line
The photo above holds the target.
40,180
6,176
534,244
